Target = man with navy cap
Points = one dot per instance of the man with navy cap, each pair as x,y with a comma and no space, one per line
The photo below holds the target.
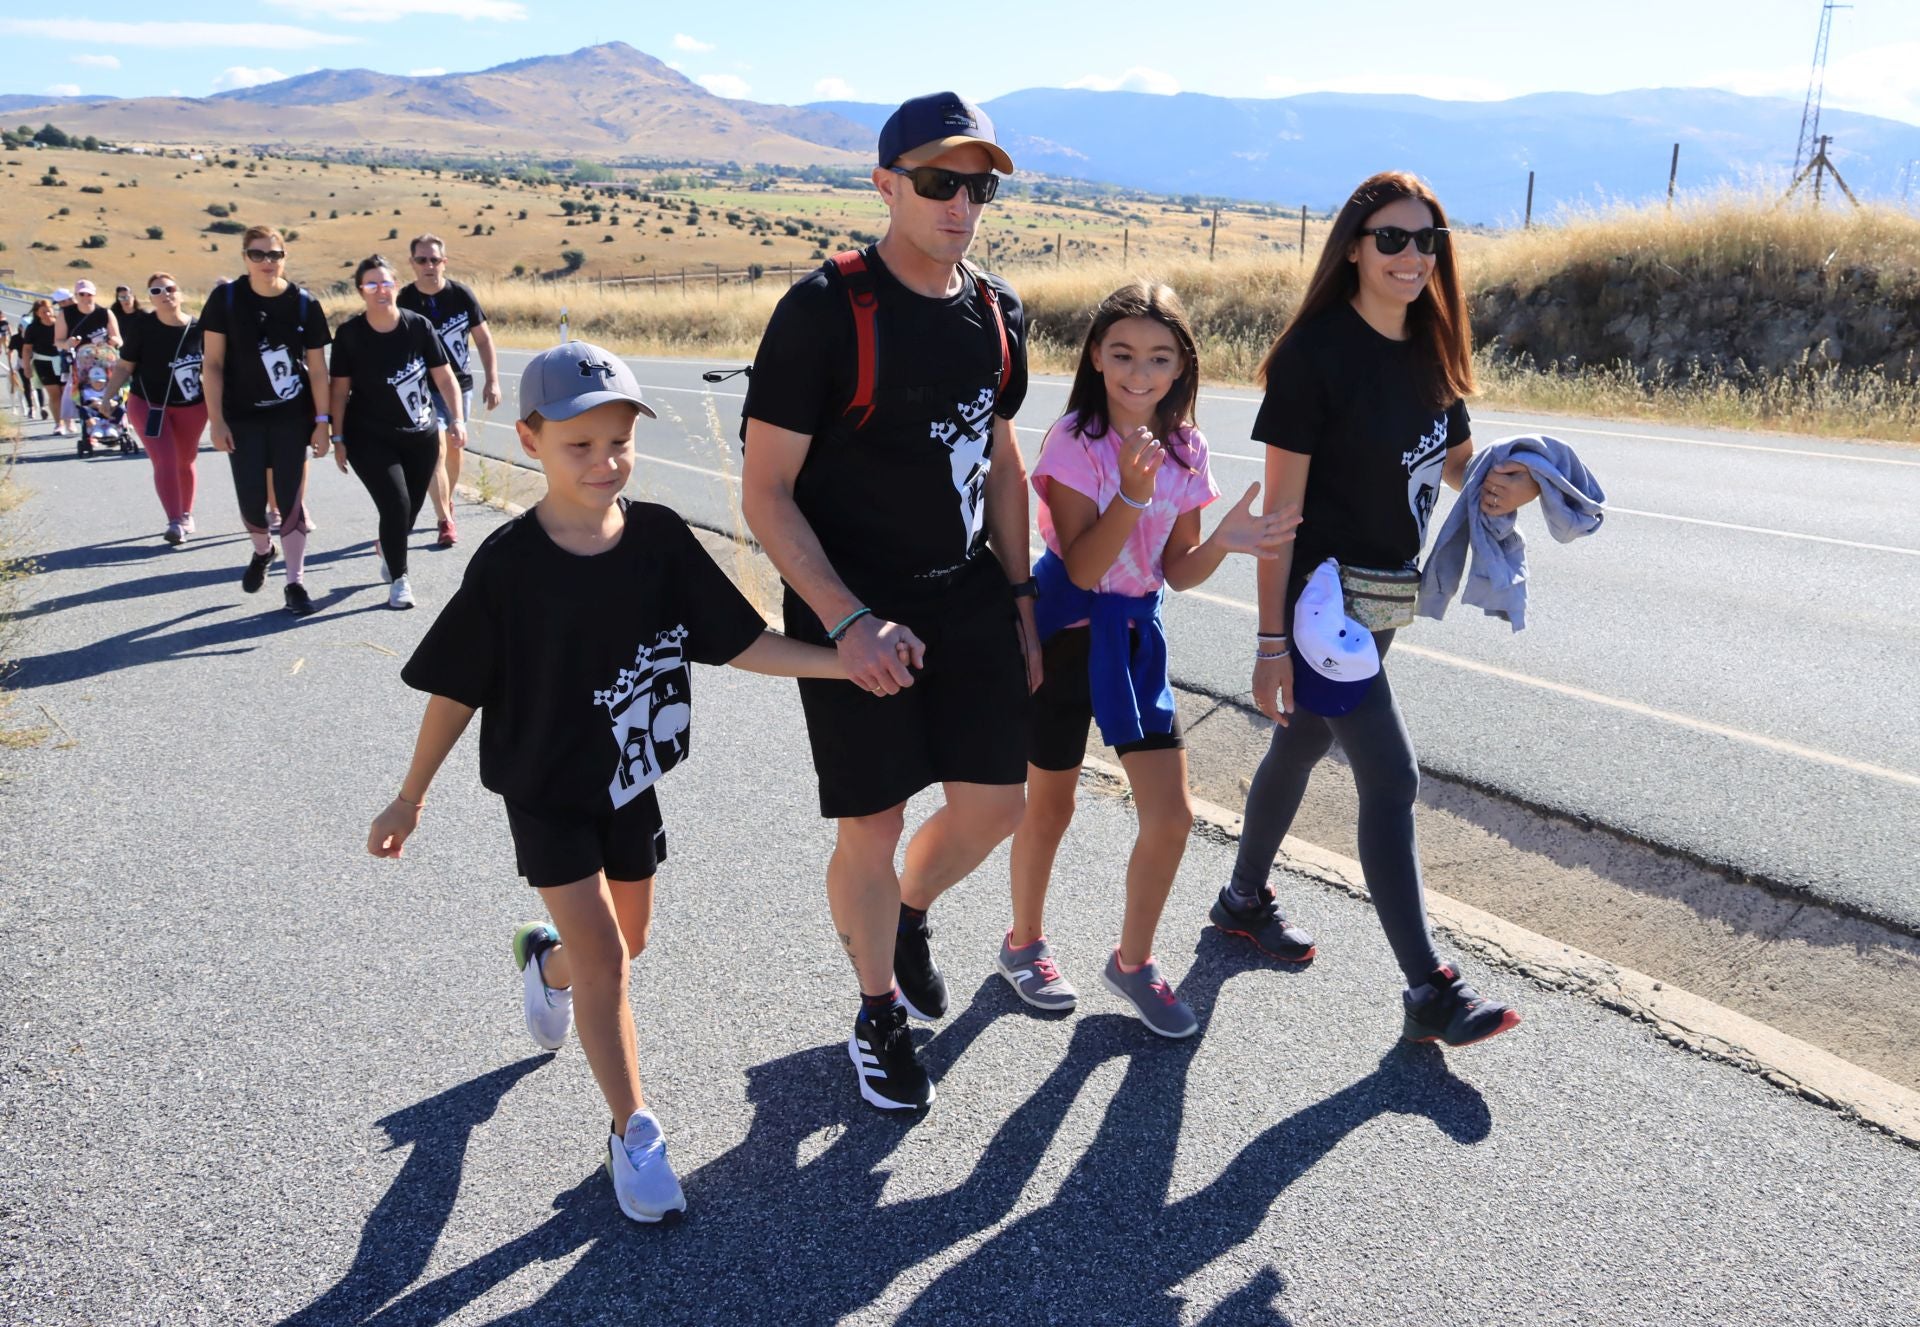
883,479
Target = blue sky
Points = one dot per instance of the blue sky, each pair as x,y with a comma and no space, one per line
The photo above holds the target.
773,50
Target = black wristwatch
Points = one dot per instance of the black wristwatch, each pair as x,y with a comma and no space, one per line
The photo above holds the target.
1027,589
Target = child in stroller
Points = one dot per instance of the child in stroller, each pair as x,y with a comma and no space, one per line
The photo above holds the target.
103,414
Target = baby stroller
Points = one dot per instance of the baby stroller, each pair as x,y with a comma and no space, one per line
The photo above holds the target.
103,417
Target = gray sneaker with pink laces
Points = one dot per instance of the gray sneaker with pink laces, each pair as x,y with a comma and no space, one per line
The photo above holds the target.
1151,997
1034,976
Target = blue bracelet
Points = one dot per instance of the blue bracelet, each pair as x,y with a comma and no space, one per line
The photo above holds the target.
848,621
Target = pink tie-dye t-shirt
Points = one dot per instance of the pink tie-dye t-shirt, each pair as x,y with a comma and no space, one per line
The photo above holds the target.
1091,467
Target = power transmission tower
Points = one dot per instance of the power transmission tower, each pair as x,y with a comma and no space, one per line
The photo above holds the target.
1804,150
1819,168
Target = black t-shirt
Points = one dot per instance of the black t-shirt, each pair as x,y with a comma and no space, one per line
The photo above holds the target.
91,328
166,360
267,342
392,392
1356,402
40,337
16,343
578,665
454,313
899,501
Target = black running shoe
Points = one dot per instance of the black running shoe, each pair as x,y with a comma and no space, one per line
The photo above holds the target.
297,601
890,1077
256,573
1271,933
921,985
1451,1011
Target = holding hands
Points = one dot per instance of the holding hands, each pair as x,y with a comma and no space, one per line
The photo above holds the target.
1240,531
878,654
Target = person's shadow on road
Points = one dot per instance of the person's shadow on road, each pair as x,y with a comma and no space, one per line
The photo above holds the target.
790,1223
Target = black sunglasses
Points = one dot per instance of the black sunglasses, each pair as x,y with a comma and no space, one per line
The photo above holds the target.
1392,239
266,255
941,185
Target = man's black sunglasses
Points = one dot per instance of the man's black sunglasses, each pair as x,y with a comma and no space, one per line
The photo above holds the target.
1392,239
941,185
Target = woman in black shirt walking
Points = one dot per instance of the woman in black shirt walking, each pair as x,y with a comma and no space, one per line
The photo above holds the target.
386,363
1364,417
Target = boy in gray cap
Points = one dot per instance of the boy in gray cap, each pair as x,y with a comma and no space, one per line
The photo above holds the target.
573,632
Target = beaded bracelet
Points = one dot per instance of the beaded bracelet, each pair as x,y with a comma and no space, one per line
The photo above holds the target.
1261,654
846,622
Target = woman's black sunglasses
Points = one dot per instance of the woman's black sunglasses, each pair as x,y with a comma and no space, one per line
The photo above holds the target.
1392,239
941,185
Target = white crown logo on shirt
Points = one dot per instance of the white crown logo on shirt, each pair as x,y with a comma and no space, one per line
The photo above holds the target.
630,678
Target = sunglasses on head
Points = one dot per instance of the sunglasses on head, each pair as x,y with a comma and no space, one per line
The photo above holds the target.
266,255
157,291
941,185
1392,239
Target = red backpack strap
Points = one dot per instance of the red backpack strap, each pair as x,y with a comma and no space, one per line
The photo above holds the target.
992,297
852,267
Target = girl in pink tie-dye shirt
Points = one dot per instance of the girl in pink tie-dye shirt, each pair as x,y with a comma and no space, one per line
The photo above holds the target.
1122,478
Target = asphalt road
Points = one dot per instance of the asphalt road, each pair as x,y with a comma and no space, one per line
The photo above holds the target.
252,1075
1725,669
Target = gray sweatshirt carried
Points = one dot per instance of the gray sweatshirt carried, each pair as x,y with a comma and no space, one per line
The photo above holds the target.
1496,582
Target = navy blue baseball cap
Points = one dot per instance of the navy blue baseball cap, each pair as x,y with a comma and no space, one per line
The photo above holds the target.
926,126
572,378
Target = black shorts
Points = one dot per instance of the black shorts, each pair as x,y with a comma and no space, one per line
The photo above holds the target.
49,374
964,719
554,849
1063,707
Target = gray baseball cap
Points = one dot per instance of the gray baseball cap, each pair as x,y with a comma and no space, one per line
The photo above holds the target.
574,377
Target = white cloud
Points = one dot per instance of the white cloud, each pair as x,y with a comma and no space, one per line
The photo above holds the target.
387,11
97,61
1441,87
725,85
682,42
244,76
425,73
834,89
63,89
1884,80
174,36
1136,79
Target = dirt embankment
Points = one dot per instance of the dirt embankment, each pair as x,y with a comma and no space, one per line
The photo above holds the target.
1739,292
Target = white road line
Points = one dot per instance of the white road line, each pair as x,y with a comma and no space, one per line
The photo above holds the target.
637,456
1629,706
1778,534
1548,425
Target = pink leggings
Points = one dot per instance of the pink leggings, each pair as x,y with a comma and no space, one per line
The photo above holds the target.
173,452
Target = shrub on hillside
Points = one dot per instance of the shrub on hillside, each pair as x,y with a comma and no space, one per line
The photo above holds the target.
156,233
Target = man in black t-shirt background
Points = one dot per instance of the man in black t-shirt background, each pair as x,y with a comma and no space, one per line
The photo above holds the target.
456,315
898,531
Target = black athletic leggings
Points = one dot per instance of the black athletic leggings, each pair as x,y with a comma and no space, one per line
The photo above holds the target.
397,469
1387,776
276,442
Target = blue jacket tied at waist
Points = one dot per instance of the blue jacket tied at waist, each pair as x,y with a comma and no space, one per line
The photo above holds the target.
1131,694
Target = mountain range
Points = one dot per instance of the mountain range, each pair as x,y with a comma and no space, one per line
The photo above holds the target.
612,101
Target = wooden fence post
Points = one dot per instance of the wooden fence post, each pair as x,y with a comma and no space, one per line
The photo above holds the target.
1673,173
1528,223
1303,234
1213,234
1125,246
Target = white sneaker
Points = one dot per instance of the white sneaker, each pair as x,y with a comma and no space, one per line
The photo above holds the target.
401,595
643,1180
549,1012
186,524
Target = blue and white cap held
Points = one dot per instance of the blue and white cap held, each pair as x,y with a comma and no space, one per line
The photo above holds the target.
572,378
1334,657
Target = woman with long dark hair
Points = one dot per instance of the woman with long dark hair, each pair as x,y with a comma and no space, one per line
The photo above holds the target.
1364,418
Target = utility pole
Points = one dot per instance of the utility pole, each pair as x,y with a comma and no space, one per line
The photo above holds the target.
1808,143
1819,168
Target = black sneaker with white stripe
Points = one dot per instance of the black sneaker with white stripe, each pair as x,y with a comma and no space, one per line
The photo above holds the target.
890,1077
918,976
